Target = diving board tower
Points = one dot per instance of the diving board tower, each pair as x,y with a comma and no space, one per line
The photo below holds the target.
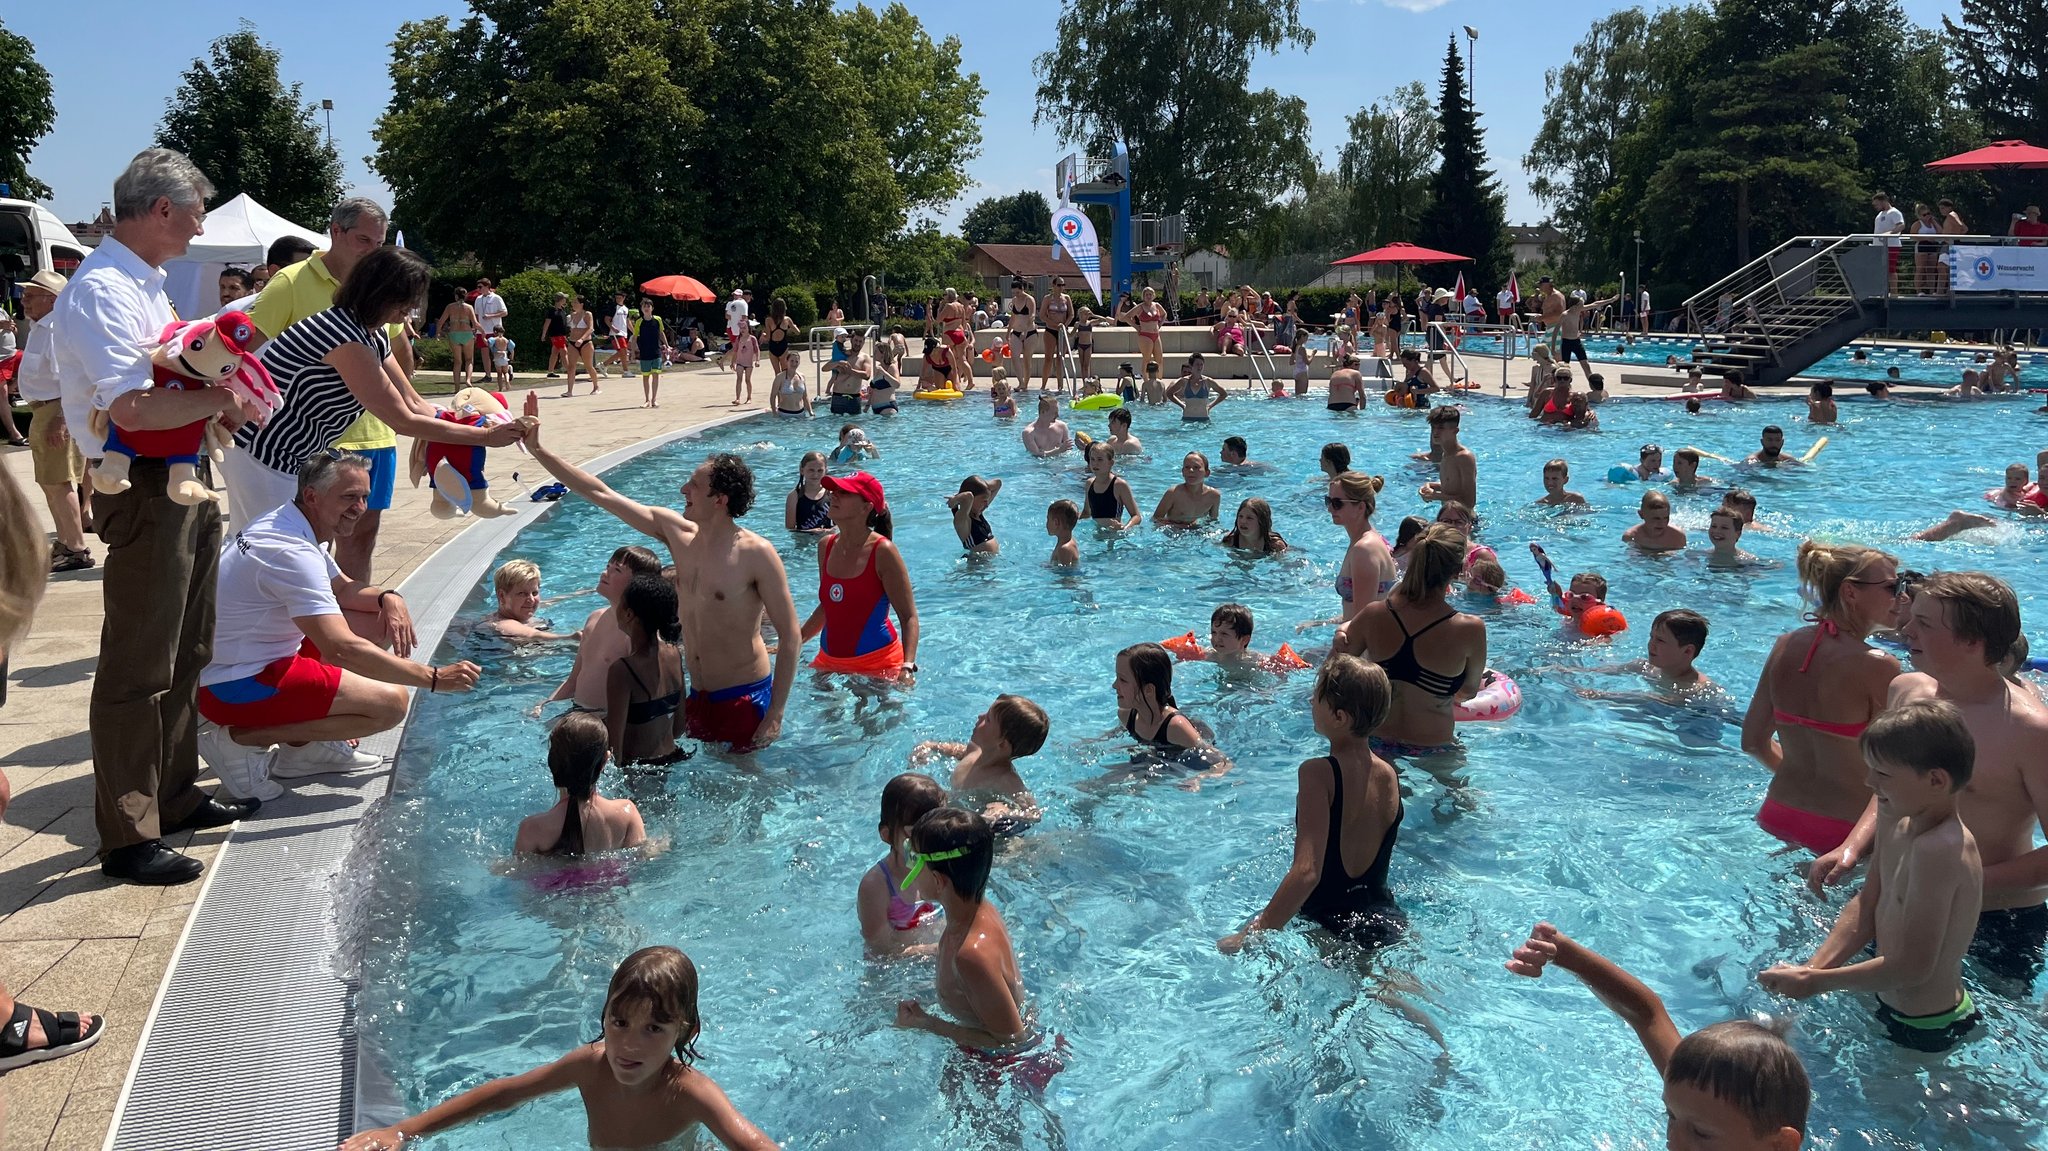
1135,243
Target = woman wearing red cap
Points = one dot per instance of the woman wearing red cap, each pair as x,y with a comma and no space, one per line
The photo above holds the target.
860,574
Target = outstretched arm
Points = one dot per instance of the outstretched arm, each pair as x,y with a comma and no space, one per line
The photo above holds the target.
661,523
1624,994
497,1095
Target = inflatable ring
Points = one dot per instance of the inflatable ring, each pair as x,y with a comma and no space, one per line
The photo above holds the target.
938,394
1397,399
1092,403
1602,621
1621,474
1499,698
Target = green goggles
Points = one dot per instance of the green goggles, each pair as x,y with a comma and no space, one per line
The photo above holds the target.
919,858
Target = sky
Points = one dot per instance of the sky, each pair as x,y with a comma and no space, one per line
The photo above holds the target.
1364,49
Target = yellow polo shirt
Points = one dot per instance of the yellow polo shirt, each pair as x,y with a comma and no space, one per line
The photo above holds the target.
301,290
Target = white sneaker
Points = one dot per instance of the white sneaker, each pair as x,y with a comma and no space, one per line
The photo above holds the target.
244,771
325,757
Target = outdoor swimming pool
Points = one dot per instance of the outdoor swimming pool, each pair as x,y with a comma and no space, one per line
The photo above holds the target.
1628,825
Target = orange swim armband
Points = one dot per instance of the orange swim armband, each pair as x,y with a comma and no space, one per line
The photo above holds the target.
1602,620
1185,647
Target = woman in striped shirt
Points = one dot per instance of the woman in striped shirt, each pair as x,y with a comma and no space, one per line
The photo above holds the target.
332,366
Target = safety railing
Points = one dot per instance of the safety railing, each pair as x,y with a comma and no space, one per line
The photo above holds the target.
824,342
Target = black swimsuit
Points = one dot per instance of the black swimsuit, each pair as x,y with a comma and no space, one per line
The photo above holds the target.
811,514
1403,667
978,529
1104,505
1360,909
1158,737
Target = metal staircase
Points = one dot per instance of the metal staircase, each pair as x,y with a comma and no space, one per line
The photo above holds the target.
1782,312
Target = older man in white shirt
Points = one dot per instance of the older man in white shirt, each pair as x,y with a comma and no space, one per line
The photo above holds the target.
162,556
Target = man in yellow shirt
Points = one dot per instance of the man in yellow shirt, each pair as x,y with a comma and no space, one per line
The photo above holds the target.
354,230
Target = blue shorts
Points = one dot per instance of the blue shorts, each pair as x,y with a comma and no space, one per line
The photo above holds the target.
383,474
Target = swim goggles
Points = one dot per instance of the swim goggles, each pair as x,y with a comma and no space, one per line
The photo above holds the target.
919,858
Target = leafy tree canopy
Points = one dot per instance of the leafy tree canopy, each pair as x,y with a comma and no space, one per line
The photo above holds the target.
1023,218
250,133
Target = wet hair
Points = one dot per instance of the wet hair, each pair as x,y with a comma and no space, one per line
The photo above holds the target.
1151,667
1450,508
1595,580
1337,456
1978,607
576,755
1694,407
1120,415
1236,444
1022,723
1488,572
1773,429
1655,499
1065,513
1434,560
1751,1068
1361,487
381,283
974,485
514,574
1923,735
1236,617
1648,450
1560,464
1739,498
1730,514
733,479
1444,414
1825,568
906,799
947,828
1597,382
1269,540
1686,626
1410,528
1823,389
652,600
1358,688
805,462
1088,452
1732,375
1688,456
638,560
665,980
1202,456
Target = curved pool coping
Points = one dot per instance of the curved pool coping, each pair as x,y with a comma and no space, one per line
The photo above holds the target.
251,1040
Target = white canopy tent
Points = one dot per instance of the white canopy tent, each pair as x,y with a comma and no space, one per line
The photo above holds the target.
238,232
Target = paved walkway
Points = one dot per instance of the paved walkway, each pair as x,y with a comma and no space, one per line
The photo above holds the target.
70,940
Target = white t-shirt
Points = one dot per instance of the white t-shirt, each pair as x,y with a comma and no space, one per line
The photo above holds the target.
1472,305
490,311
37,376
622,323
1505,301
271,572
1643,301
1890,220
736,315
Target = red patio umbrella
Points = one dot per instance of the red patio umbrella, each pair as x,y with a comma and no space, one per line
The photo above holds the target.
2007,154
679,288
1401,253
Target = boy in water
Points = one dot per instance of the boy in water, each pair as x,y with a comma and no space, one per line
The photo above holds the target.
1457,468
1556,474
889,922
517,583
1685,469
1236,454
1655,533
1724,531
1676,639
1060,520
1921,895
978,981
1155,387
854,446
1742,503
1230,644
1121,441
602,641
985,767
1047,435
1734,1086
1650,462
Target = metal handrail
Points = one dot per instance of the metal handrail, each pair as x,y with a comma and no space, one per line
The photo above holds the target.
821,353
1823,246
1458,365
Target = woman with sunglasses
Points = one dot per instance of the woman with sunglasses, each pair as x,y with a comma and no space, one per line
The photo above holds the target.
1368,573
1821,686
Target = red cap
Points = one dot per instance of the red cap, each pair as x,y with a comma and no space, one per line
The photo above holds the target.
859,484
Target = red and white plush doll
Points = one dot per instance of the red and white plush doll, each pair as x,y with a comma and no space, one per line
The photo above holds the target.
457,470
190,354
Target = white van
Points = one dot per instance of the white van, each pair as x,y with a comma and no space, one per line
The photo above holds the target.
32,239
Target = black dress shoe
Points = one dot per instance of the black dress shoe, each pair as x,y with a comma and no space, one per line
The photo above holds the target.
214,811
150,864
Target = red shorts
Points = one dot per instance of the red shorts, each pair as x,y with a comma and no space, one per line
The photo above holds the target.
618,343
558,341
296,689
1891,259
957,336
728,714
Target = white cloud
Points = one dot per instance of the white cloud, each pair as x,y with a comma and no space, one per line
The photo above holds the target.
1415,5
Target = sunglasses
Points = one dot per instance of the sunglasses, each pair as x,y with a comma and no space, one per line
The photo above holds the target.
1891,586
919,858
1335,502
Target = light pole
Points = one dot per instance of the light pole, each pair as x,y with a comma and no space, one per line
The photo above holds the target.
327,106
1642,322
1471,70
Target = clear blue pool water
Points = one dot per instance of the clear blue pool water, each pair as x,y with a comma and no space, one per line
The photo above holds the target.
1945,366
1628,825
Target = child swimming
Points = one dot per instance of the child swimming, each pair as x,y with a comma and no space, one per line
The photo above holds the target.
638,1084
889,922
581,820
644,688
1655,533
1556,474
985,767
970,523
517,584
1061,518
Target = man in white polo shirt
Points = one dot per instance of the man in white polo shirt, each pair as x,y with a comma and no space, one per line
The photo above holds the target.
299,665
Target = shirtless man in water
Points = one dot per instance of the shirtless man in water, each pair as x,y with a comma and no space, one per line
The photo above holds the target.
1457,469
1961,627
1047,434
727,578
959,343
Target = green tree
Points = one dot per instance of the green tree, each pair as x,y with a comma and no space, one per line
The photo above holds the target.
924,257
1467,211
1999,51
1022,218
250,133
27,114
1201,142
926,110
1385,167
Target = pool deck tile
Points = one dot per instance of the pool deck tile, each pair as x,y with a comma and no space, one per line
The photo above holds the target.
68,938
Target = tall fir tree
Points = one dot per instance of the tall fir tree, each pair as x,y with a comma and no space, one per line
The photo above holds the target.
1467,212
2000,54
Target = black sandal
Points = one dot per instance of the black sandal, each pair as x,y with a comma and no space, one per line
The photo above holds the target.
62,1029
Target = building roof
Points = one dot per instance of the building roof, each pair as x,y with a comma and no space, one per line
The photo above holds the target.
1027,260
1535,234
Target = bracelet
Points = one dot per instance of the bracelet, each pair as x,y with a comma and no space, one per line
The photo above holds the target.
385,592
434,680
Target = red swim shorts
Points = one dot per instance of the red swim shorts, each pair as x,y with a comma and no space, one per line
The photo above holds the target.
728,714
295,689
558,341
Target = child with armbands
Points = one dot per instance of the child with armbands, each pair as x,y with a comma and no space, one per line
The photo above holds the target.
1734,1086
985,774
1586,604
1230,644
1676,639
889,922
1485,578
638,1082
